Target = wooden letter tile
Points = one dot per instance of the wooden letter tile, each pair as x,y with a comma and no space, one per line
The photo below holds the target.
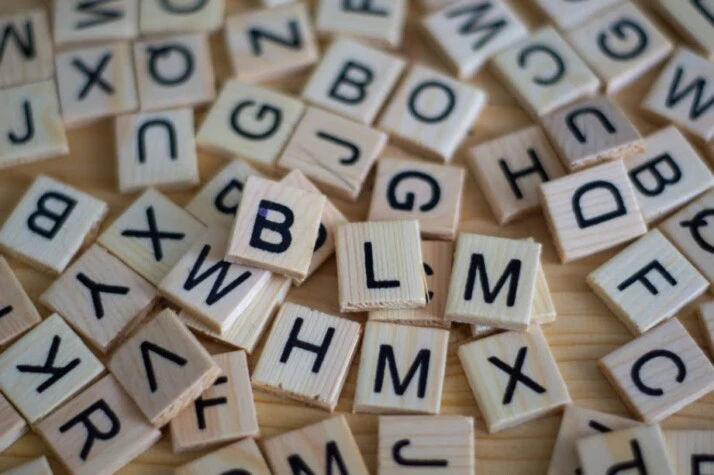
274,3
212,289
26,49
268,44
335,152
94,83
353,80
252,121
493,281
431,113
567,14
32,125
381,22
46,367
161,16
99,431
509,170
544,73
401,369
592,210
277,227
591,131
156,149
329,443
82,22
50,224
660,372
12,425
380,265
621,45
307,355
174,71
706,323
151,235
691,452
468,32
224,413
100,297
17,312
514,378
438,444
163,368
36,466
240,457
692,20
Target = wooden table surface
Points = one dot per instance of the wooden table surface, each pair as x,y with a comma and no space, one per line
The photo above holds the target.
584,331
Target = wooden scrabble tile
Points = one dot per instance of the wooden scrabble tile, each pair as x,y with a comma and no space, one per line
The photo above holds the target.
163,367
210,288
514,378
82,22
668,174
468,32
568,14
274,3
335,152
591,131
577,423
511,262
642,448
441,444
17,312
391,356
328,444
100,297
432,113
252,121
353,80
26,48
99,431
690,451
544,73
292,363
12,425
509,170
268,44
239,457
592,210
688,230
156,149
151,235
94,83
161,16
50,224
660,372
380,265
225,411
692,20
620,45
382,23
706,322
437,256
676,94
647,283
46,367
174,71
332,218
27,138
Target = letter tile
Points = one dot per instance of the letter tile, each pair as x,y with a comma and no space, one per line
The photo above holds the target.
567,14
353,80
274,3
660,372
80,22
706,323
169,16
242,457
250,120
25,49
264,45
335,152
99,431
36,466
438,444
50,224
591,211
381,22
691,452
45,367
163,367
401,369
329,443
12,425
151,235
100,298
514,378
693,20
17,312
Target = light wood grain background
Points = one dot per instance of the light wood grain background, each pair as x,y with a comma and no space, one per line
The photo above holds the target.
584,331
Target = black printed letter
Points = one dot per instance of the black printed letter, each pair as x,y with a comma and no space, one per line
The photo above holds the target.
170,132
573,115
295,342
581,220
357,77
647,357
218,291
408,203
641,276
94,432
420,364
95,292
372,282
559,64
512,274
513,177
266,113
660,180
56,372
282,228
474,26
53,210
449,102
256,34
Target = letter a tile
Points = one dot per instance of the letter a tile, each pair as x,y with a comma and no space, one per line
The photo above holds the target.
690,451
514,378
26,49
17,312
46,367
240,457
99,431
660,372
